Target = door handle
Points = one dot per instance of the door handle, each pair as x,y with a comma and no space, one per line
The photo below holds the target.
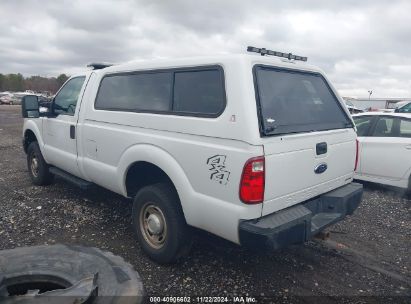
72,132
321,148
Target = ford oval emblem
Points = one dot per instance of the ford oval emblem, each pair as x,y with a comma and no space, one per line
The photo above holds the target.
320,168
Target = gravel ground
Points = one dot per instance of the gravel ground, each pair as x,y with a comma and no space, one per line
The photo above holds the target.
366,259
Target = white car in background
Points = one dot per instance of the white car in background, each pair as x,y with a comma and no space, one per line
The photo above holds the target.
404,108
384,148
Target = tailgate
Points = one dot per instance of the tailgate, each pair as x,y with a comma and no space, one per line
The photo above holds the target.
296,171
308,136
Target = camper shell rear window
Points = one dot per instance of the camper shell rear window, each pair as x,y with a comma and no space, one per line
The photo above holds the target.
294,101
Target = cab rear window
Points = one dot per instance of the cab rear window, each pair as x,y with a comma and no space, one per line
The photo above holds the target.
296,101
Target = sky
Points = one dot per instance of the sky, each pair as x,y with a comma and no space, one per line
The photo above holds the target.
361,45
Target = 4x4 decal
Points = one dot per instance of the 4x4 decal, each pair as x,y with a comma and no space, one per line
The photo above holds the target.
218,170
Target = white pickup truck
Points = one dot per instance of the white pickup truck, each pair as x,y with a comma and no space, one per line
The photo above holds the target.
259,150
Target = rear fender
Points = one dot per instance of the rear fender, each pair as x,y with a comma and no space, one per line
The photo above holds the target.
160,158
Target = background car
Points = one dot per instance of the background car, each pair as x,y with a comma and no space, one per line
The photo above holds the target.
5,99
352,108
405,108
16,100
9,99
384,148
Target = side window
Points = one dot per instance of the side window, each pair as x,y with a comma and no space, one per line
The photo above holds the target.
180,91
66,100
384,127
199,92
135,92
405,128
363,124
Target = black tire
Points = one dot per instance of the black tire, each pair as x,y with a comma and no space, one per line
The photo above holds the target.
40,176
59,266
177,239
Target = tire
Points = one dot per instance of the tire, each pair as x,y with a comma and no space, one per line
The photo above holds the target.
37,166
48,268
168,237
408,191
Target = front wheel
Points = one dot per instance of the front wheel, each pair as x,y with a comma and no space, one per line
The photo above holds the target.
38,168
159,223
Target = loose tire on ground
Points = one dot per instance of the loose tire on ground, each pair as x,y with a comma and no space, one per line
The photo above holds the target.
37,166
159,223
61,266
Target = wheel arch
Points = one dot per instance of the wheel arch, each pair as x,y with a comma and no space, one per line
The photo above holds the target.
156,165
31,133
29,137
143,173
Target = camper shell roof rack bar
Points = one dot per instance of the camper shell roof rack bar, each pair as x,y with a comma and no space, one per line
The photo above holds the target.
264,52
99,65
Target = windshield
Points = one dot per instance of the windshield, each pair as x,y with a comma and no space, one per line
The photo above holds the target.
295,101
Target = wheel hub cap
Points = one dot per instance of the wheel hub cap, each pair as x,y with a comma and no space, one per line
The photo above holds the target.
34,166
155,225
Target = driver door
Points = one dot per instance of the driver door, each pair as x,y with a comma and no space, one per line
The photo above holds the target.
59,131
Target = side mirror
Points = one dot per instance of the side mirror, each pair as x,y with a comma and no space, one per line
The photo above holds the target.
30,106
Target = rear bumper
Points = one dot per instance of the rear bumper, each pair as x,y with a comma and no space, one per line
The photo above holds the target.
301,222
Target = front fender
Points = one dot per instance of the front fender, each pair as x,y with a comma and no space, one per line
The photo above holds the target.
162,159
35,126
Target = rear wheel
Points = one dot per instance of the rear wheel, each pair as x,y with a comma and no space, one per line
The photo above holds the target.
38,168
159,223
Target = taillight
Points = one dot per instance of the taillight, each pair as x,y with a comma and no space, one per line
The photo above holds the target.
356,154
253,181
